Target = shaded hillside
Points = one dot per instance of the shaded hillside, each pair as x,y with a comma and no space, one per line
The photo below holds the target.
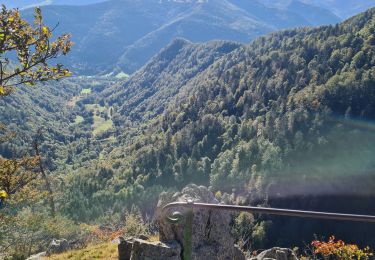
124,35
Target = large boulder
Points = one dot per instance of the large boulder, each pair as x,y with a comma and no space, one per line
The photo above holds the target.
58,246
211,231
276,253
138,249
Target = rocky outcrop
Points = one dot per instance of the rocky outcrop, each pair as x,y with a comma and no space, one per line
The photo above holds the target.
138,249
58,246
276,253
211,236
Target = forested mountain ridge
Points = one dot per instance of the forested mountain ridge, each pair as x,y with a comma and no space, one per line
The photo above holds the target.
115,36
145,95
254,80
288,116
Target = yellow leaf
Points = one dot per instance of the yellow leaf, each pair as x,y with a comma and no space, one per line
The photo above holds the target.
2,91
45,30
3,194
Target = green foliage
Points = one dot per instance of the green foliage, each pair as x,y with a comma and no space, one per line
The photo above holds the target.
24,226
31,231
243,230
134,224
33,47
259,234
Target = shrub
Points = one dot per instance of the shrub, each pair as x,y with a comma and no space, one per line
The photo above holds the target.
340,250
134,224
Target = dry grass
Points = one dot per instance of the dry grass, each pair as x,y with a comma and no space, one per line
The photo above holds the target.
103,251
154,238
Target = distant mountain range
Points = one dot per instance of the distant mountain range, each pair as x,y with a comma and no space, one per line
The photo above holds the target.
122,35
343,8
22,4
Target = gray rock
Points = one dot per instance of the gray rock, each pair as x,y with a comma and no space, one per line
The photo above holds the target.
276,253
125,248
138,249
58,246
238,253
76,244
211,230
143,250
143,237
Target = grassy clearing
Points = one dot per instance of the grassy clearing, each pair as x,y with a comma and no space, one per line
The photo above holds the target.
78,120
99,251
101,125
122,75
86,91
95,107
73,101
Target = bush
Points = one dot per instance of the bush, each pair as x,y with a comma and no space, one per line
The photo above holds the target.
134,224
243,228
340,250
31,231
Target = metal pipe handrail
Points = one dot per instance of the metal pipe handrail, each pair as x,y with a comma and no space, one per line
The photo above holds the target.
271,211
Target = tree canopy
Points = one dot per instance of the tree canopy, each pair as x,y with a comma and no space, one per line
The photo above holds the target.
25,52
32,46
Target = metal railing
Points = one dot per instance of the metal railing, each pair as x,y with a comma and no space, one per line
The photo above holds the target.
177,216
